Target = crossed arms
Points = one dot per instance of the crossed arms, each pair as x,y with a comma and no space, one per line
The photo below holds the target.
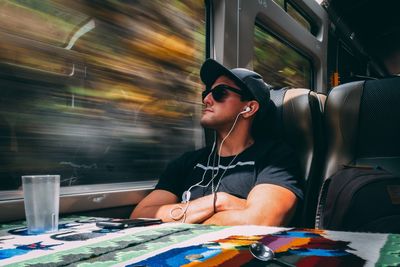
266,204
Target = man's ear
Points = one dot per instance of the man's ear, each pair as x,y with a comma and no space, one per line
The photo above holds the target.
254,106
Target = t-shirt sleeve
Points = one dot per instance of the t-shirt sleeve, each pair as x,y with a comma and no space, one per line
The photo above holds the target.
171,179
280,167
174,178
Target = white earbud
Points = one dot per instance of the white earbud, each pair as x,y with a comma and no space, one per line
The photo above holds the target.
247,109
186,196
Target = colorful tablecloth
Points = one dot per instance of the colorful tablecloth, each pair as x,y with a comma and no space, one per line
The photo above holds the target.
80,243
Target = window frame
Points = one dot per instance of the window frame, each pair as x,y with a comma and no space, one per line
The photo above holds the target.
240,46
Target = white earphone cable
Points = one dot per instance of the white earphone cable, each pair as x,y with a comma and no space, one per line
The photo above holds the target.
182,215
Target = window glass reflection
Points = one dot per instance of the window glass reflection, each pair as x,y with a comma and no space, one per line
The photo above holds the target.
98,91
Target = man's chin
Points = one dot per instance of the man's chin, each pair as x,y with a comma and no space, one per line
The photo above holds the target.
204,124
207,124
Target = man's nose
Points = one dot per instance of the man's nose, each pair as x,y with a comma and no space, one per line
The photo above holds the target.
208,100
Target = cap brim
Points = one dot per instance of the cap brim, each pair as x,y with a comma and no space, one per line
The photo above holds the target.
212,69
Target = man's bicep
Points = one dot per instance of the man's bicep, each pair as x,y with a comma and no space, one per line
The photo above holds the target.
281,169
271,204
159,197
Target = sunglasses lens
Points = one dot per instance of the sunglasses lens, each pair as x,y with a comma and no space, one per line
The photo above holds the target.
218,94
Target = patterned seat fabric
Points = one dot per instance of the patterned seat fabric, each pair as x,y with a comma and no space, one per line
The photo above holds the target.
362,123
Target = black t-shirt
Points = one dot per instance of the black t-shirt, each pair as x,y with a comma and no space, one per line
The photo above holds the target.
270,162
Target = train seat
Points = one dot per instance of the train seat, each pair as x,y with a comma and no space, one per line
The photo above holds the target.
362,123
299,122
322,100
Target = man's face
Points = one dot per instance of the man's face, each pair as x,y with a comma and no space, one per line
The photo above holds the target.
220,112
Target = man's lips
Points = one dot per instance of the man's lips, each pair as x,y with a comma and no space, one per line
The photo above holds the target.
207,110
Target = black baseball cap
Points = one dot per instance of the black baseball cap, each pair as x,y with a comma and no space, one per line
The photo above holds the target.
247,80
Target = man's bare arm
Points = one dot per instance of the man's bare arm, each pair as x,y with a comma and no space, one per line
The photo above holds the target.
162,204
267,204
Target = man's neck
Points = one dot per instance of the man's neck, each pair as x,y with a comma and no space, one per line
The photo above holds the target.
234,144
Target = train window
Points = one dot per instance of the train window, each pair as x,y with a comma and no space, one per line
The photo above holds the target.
297,14
98,91
279,63
281,3
350,68
16,54
50,23
294,13
343,64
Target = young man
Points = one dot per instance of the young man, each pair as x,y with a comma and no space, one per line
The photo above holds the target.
243,178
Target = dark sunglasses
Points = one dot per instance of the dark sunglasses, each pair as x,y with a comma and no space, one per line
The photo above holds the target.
219,92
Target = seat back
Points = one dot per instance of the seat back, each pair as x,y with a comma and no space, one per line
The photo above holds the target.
299,122
322,101
362,123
